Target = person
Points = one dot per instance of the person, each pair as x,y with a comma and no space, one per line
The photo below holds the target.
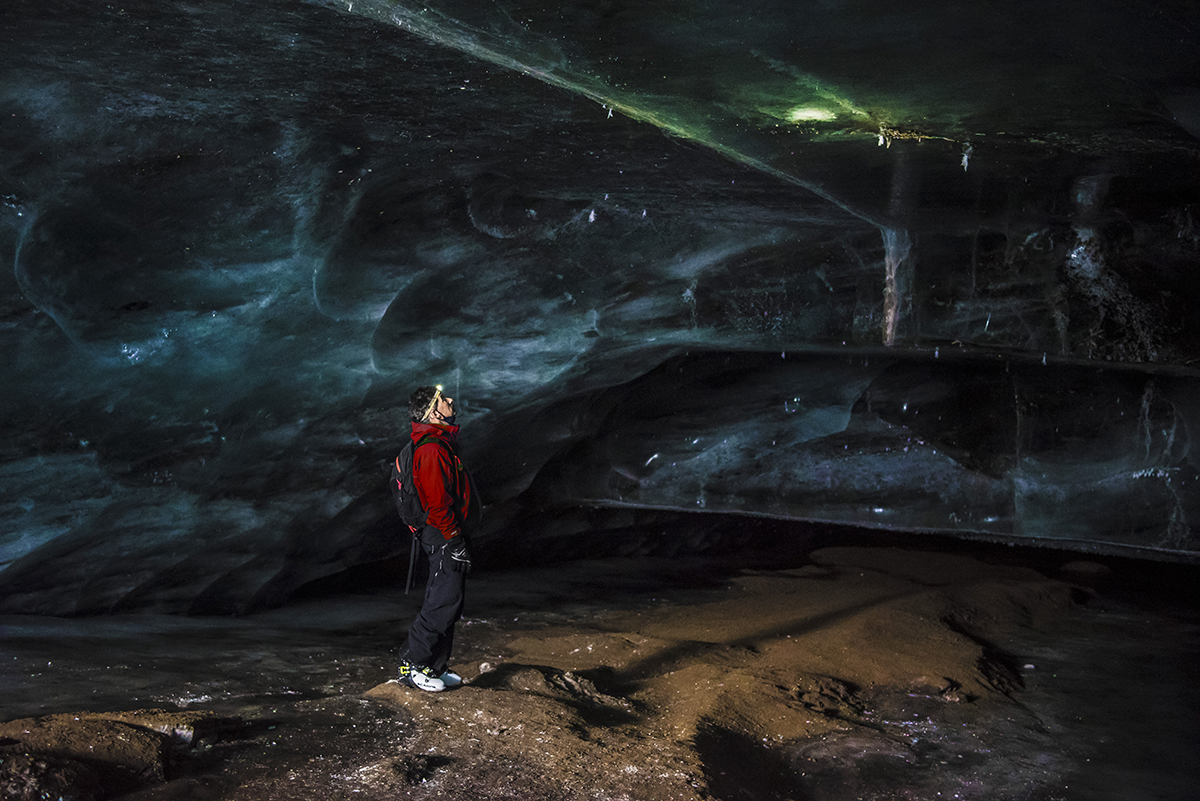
452,508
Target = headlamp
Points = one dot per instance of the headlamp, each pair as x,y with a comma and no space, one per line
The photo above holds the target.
433,403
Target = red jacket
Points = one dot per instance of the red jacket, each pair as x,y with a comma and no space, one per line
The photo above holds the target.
443,484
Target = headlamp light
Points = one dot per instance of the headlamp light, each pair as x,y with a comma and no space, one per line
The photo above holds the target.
433,403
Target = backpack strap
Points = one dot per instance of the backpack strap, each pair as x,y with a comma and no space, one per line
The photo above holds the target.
424,439
419,443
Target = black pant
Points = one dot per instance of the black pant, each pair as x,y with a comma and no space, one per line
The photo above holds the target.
431,635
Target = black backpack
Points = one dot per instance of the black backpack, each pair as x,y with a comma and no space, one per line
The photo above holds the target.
404,489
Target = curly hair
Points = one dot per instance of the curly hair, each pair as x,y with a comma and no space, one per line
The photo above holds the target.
419,401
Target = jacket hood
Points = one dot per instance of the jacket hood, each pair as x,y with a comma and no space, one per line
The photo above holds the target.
448,433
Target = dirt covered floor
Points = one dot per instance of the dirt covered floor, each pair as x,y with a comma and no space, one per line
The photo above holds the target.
740,693
865,673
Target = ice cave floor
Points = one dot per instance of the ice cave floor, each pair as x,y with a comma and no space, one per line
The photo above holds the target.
934,670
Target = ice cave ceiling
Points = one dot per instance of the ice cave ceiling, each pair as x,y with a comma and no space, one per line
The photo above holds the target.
916,266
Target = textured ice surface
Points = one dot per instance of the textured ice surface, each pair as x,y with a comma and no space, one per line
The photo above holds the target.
239,237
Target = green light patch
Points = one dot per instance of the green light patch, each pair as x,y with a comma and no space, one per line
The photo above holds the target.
810,114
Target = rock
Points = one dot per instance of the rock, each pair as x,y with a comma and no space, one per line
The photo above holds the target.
26,777
89,755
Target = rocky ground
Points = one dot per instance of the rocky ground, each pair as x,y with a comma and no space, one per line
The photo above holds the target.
875,673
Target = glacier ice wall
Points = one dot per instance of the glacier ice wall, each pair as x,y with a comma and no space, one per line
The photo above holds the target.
659,272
